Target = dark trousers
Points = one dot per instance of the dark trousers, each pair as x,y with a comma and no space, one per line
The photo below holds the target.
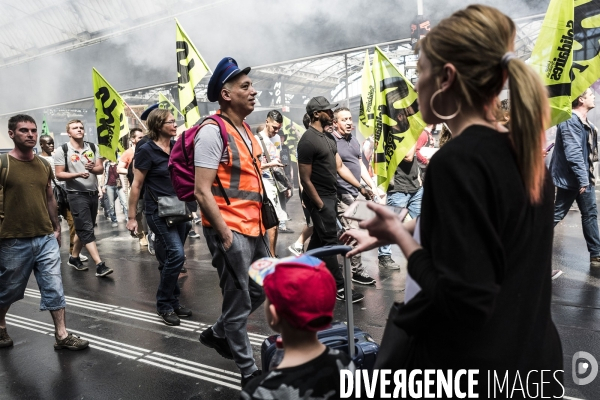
586,202
325,232
170,241
238,301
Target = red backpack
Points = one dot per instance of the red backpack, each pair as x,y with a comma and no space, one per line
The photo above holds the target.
181,161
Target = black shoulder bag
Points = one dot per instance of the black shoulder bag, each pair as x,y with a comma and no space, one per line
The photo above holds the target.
281,181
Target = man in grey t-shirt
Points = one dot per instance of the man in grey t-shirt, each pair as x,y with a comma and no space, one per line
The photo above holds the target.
78,168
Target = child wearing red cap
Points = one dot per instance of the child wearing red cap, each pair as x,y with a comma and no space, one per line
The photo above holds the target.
300,300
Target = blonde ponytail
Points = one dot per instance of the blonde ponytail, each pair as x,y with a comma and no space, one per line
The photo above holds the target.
529,116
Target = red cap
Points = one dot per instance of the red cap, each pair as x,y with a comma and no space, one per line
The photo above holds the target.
302,293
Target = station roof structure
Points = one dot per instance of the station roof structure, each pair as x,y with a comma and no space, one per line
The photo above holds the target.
32,28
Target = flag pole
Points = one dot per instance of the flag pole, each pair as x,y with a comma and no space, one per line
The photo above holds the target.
135,115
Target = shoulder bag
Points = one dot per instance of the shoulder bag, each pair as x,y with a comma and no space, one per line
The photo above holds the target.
281,181
173,210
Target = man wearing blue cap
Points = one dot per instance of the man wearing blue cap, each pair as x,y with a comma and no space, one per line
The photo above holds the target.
229,191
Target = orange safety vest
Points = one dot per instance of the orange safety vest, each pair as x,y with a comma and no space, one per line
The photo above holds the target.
242,185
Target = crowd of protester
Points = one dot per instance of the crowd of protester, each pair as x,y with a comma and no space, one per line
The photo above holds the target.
478,239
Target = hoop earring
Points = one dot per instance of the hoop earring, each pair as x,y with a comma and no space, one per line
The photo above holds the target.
443,117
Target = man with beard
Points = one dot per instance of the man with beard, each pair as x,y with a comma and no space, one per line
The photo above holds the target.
318,162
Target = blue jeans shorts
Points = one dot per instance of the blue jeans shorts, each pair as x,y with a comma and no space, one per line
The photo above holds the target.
20,256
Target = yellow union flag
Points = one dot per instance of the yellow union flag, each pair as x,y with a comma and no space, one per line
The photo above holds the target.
165,104
191,68
586,49
366,117
567,52
293,133
111,122
398,121
551,57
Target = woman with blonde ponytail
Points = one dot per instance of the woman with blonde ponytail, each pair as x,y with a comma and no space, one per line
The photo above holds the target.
479,258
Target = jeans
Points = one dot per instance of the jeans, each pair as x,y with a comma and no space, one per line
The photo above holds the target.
171,241
325,232
238,302
412,201
112,192
586,202
18,257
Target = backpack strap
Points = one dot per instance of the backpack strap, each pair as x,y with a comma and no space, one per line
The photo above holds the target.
4,166
225,137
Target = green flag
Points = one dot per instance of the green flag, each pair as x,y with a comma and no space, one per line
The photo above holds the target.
366,117
293,133
45,130
191,69
111,122
551,57
165,104
398,122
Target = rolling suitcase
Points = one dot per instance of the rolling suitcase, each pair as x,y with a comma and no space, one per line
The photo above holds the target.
339,335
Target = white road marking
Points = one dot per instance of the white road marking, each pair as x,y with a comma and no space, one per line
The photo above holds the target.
175,364
190,326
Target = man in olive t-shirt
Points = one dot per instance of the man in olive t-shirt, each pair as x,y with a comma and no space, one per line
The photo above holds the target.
30,233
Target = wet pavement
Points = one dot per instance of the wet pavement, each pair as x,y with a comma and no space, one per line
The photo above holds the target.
133,355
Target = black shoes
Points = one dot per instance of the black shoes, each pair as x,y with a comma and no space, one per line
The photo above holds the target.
221,345
76,263
170,318
356,297
362,278
102,270
246,379
183,312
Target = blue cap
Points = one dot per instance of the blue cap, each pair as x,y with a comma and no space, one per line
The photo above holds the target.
147,111
226,70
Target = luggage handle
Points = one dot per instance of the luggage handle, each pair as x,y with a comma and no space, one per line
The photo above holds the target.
334,250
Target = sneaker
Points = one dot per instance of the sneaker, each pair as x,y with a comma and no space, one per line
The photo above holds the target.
183,270
387,263
182,311
285,230
197,220
169,318
76,263
82,258
221,345
595,262
194,234
114,224
362,279
556,273
71,342
5,340
246,379
150,237
143,241
296,249
103,270
356,297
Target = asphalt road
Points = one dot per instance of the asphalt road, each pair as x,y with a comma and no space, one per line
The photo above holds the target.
133,355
